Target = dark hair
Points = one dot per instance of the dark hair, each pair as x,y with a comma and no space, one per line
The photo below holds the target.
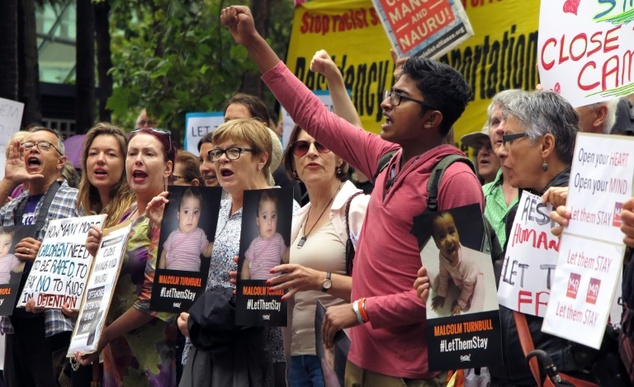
266,196
6,231
441,86
254,104
169,151
289,163
192,166
206,139
191,192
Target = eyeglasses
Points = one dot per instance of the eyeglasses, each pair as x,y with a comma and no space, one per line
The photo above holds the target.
162,132
396,98
508,138
41,145
301,147
176,177
232,153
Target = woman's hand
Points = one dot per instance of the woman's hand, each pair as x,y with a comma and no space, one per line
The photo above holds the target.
93,239
27,249
422,284
156,207
88,358
295,278
627,218
556,196
239,21
183,318
68,311
560,216
323,64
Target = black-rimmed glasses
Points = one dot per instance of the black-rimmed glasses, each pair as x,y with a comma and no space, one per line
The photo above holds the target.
396,98
41,145
232,153
508,138
301,147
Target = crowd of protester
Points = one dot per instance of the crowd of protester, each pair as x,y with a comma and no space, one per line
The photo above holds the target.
526,144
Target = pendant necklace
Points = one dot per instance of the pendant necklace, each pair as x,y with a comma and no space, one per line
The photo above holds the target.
302,240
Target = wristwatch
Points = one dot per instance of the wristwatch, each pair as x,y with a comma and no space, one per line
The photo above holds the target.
327,283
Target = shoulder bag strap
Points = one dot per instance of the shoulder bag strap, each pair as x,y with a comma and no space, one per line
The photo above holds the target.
349,246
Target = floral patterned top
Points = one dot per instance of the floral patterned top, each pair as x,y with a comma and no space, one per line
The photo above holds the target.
146,355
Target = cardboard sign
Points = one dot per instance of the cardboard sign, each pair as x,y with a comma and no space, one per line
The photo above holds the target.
62,265
426,28
185,247
100,290
463,323
12,269
585,49
10,120
264,241
591,254
197,125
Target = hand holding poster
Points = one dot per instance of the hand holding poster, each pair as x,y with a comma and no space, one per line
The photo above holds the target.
99,290
61,268
585,49
426,28
591,251
530,259
463,324
264,241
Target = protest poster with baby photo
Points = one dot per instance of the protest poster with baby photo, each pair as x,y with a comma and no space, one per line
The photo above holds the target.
188,230
100,290
264,242
463,325
12,269
60,270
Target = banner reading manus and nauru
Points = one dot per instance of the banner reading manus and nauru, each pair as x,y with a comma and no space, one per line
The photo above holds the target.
501,55
586,49
530,260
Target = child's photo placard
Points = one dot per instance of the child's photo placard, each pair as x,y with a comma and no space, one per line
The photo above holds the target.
60,270
463,325
12,268
264,241
188,230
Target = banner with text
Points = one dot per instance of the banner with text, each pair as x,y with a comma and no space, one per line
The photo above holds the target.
530,259
585,49
591,251
60,270
500,56
199,124
99,290
425,28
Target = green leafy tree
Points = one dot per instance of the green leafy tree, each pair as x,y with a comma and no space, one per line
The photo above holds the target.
173,57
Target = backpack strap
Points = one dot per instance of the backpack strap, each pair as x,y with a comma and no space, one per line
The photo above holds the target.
383,162
349,246
436,175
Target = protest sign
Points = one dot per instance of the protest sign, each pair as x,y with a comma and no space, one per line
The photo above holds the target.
185,247
287,121
463,323
10,120
591,251
585,49
12,269
264,241
199,124
530,259
62,265
99,290
424,28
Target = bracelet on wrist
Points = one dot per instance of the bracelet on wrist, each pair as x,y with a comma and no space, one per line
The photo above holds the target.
355,308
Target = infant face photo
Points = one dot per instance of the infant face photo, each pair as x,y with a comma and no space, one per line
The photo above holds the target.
267,218
188,214
446,236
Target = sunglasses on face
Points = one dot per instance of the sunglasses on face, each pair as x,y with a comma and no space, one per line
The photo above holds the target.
301,147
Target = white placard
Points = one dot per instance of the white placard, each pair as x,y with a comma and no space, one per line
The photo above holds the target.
99,290
62,265
530,259
199,124
10,120
585,49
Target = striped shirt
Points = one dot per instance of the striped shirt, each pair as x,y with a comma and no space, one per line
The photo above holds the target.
263,255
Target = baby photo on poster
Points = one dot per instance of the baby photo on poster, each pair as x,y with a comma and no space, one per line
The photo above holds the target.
264,241
186,243
11,267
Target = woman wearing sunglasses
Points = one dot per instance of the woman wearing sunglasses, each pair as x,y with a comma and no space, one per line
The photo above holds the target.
138,345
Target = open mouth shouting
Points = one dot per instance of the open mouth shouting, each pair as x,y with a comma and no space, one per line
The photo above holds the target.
139,176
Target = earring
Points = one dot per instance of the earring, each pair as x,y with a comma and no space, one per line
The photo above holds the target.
544,166
338,170
295,175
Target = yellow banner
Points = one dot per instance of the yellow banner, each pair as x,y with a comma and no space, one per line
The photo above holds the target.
501,55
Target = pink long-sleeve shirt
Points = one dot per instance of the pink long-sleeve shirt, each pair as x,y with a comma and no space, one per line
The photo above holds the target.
387,260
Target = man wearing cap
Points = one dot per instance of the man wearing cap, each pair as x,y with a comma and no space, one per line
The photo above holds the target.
487,163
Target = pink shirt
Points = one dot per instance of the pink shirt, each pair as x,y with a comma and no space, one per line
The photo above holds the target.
394,341
183,250
7,264
263,255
